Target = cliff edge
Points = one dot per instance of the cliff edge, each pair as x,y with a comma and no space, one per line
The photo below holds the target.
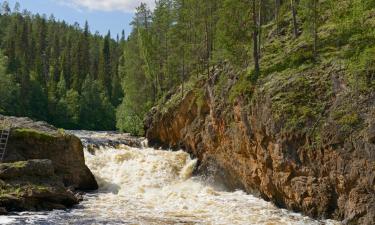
300,139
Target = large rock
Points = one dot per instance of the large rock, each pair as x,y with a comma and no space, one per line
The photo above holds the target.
38,140
323,167
44,165
33,185
32,168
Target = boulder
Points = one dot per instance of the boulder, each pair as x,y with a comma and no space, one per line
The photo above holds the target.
33,185
42,168
39,140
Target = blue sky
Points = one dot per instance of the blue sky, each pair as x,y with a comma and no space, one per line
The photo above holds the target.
102,15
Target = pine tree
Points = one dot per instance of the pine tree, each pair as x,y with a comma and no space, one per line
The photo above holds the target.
105,65
312,22
5,9
9,90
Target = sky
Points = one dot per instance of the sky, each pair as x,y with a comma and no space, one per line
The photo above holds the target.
102,15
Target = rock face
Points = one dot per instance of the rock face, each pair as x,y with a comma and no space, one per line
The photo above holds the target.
324,166
42,166
33,185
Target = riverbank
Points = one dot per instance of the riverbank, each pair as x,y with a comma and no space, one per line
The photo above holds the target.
157,187
299,139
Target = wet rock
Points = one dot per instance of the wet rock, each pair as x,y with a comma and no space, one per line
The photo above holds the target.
37,168
38,140
40,163
3,211
33,185
95,140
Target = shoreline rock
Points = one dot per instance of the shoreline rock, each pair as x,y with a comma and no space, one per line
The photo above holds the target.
43,168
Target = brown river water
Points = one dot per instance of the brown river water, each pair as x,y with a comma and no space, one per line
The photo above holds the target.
152,187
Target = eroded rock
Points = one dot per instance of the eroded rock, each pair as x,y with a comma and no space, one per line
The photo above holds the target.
43,168
324,168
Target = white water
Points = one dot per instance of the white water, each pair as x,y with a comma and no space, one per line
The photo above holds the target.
147,186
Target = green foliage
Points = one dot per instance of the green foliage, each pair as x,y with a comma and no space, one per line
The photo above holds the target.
128,120
9,90
243,87
362,68
96,107
46,64
68,110
234,29
67,76
298,99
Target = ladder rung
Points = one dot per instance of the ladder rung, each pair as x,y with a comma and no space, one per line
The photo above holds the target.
4,136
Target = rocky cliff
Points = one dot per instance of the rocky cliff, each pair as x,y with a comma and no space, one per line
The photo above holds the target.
302,140
43,167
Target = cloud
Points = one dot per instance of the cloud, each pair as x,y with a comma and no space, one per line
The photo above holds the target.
106,5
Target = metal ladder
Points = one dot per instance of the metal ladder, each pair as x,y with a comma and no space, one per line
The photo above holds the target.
4,136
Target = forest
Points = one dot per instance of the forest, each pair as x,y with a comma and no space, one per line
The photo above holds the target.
64,74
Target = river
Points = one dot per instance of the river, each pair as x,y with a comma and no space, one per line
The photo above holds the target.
149,186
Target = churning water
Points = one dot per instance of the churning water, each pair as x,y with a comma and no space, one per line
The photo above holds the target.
148,186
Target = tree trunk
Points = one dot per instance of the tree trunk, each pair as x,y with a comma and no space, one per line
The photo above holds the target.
277,8
260,28
315,6
207,48
255,40
294,14
183,72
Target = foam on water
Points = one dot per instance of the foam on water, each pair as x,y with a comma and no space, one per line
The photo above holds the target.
148,186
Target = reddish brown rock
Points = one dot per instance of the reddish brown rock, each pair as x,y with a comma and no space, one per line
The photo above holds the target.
244,143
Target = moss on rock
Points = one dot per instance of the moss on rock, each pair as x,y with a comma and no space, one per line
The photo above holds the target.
31,133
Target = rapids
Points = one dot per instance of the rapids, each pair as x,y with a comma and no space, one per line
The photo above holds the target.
148,186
